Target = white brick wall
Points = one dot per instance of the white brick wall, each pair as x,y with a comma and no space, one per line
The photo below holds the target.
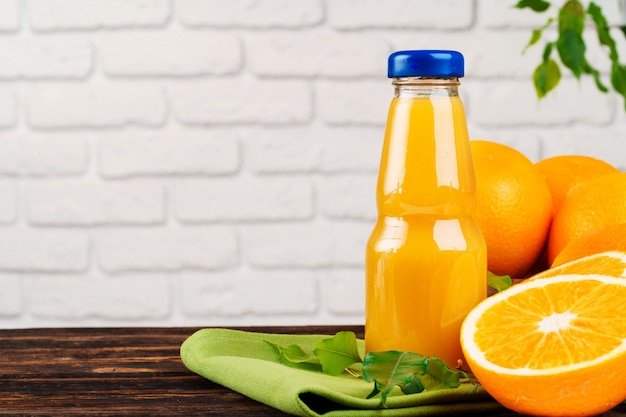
210,162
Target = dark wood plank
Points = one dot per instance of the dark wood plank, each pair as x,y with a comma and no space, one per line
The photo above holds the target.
120,372
127,371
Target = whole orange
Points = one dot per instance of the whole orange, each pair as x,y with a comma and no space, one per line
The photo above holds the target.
592,205
565,172
513,208
609,238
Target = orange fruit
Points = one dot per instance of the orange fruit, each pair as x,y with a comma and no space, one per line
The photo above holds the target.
553,346
612,237
592,205
612,263
565,172
513,207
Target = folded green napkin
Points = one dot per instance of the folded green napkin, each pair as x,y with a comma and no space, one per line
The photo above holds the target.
244,362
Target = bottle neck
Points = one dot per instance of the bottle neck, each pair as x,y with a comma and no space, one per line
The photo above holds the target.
414,87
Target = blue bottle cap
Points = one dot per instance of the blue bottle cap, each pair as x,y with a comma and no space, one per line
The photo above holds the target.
425,63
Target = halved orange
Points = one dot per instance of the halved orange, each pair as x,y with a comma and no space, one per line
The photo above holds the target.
612,263
553,346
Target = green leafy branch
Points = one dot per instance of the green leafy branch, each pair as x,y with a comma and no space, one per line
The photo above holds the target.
412,372
571,48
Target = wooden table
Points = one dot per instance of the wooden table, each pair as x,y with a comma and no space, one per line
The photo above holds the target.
120,372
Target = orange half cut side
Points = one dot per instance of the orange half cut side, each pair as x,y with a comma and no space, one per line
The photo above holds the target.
553,346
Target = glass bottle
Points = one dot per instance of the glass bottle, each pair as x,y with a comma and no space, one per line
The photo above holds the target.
426,260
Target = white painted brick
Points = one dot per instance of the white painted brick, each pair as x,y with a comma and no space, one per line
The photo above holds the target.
111,298
313,53
514,103
8,107
169,53
33,58
345,197
96,105
258,14
306,245
231,101
277,106
167,249
423,14
345,291
50,15
251,292
245,199
11,295
172,151
314,149
502,14
354,102
606,144
10,15
8,201
43,154
90,203
43,250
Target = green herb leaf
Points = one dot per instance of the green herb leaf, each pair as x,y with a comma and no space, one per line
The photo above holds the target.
337,353
439,376
546,77
602,28
294,353
536,5
392,368
572,17
588,69
536,35
571,47
498,282
570,43
618,79
547,51
415,386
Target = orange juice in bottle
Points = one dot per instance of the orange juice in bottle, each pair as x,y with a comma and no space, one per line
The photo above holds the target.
426,260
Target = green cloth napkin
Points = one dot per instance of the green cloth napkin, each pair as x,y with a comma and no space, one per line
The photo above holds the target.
244,362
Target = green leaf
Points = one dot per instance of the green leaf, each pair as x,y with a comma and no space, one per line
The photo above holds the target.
498,282
547,51
536,5
618,79
572,17
588,69
534,38
415,386
338,352
536,35
602,28
546,77
294,353
393,368
571,47
439,376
